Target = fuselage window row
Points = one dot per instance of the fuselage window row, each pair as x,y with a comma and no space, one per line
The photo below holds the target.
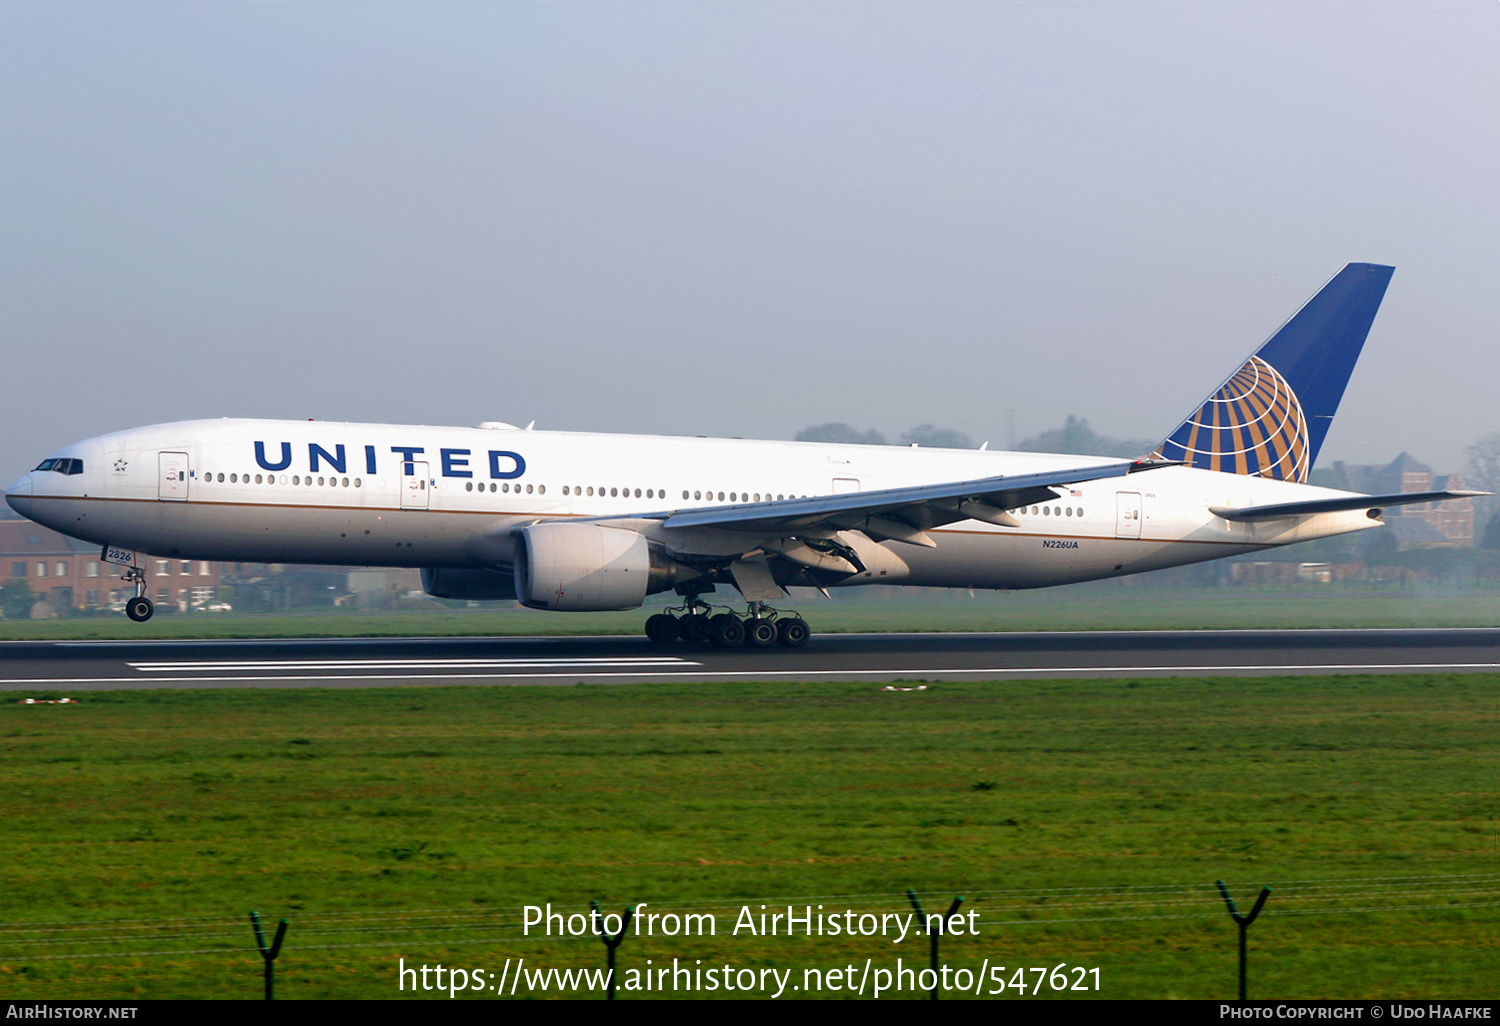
600,491
297,479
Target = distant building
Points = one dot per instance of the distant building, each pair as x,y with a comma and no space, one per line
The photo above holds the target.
66,573
1424,523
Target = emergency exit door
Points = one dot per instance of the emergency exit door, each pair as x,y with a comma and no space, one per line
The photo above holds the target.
1127,514
415,485
172,476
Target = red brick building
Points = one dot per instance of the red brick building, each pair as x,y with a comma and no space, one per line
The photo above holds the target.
67,573
1449,523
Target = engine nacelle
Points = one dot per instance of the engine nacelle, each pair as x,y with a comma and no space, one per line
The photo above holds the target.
449,583
585,567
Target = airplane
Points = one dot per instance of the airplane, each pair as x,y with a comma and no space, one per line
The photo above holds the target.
571,521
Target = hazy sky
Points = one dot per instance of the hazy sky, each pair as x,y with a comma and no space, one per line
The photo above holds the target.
738,219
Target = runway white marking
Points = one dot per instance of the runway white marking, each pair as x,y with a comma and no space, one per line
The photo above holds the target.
266,665
883,672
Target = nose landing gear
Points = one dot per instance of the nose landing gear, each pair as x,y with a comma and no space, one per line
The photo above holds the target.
760,627
139,608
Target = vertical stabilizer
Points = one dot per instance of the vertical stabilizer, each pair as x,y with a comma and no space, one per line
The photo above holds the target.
1269,419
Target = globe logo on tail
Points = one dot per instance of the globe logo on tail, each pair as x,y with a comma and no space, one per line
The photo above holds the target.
1252,425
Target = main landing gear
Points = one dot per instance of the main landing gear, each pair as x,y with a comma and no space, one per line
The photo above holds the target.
139,608
761,626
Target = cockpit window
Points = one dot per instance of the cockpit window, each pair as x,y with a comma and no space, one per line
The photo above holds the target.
46,465
74,467
62,466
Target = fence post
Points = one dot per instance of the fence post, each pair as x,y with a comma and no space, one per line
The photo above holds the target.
269,954
1243,923
933,935
610,943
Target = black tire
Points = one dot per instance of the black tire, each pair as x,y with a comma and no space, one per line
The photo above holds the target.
693,628
725,631
139,609
792,633
760,632
661,629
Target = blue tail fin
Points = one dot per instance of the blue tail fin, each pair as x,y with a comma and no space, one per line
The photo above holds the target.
1270,417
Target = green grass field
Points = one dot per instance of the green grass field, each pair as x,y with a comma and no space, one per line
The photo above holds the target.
1107,605
1086,821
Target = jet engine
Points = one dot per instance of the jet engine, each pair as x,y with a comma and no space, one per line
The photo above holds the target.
450,583
586,567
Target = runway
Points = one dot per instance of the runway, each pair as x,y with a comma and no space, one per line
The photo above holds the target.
73,666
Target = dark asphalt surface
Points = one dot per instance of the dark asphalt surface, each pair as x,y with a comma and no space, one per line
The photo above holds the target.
380,662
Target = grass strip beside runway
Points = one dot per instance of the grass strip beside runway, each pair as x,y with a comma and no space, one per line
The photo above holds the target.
1107,605
1090,818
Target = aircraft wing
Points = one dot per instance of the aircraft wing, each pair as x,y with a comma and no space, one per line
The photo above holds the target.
1295,509
902,514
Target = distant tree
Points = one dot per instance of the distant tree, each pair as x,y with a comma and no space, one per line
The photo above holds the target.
16,598
1075,436
840,433
937,438
1483,471
1491,539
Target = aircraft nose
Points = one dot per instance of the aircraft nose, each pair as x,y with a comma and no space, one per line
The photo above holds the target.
18,495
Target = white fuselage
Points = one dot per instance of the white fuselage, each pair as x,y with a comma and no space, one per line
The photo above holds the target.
392,495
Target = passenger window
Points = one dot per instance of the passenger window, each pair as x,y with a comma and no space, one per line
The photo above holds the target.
528,489
721,496
541,489
637,493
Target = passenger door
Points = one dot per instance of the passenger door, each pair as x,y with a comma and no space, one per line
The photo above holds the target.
1127,514
172,476
414,490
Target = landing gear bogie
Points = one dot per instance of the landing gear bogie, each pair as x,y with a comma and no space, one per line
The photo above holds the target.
696,624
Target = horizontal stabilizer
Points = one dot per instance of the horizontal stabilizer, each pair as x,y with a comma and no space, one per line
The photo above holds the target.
1348,502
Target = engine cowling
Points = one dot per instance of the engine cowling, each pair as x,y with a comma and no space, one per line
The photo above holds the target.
586,567
450,583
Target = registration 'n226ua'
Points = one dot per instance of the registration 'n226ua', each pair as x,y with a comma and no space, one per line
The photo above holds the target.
1054,543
